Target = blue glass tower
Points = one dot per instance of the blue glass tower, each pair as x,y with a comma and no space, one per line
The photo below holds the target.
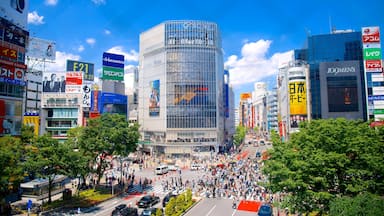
337,46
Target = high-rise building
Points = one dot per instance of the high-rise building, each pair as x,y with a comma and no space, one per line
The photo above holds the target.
272,111
13,28
181,78
334,49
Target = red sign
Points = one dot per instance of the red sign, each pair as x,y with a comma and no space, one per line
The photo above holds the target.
373,65
371,35
74,78
11,72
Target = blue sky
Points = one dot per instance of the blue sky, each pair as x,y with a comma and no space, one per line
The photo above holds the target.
257,36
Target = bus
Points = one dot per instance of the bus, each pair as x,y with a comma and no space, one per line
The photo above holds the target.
38,188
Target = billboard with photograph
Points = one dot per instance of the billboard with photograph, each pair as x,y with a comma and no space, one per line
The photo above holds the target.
41,49
85,67
10,117
154,98
54,82
191,94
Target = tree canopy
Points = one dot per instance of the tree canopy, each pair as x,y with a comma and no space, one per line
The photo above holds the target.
239,135
327,158
109,134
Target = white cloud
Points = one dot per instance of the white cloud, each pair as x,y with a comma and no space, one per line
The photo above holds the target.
61,61
51,2
80,48
132,55
35,19
107,32
253,65
91,41
99,2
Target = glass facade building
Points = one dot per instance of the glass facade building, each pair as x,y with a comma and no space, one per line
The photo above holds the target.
334,47
181,103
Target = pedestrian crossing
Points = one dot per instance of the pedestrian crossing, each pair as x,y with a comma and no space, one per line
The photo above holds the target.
136,189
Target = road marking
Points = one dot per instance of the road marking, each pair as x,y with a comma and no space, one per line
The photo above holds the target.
234,212
210,211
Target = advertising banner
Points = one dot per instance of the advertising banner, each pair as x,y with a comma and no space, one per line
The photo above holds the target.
32,119
111,73
86,68
372,54
113,60
245,96
41,49
154,98
373,66
54,82
371,34
74,81
13,34
86,96
298,98
12,73
15,10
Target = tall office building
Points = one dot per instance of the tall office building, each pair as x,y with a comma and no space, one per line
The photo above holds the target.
334,70
181,77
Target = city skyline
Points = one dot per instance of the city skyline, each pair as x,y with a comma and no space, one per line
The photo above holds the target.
256,38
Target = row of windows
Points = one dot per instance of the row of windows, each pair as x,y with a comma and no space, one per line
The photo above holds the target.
62,113
11,90
191,122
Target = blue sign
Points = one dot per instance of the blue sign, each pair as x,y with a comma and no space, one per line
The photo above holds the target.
375,97
113,60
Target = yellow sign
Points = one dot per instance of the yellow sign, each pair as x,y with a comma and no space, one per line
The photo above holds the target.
32,121
244,96
297,98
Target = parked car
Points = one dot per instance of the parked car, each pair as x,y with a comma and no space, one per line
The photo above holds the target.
150,211
148,201
265,210
167,198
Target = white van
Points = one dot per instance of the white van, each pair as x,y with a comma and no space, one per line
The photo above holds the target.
162,169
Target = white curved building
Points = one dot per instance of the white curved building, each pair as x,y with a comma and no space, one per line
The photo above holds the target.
181,109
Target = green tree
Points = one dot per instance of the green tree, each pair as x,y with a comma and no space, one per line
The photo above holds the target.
47,159
180,203
159,212
78,161
11,171
170,208
110,134
362,204
239,135
327,158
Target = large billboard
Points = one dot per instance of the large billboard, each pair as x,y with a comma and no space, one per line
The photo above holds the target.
113,66
41,49
15,10
154,98
191,94
85,67
297,98
54,82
